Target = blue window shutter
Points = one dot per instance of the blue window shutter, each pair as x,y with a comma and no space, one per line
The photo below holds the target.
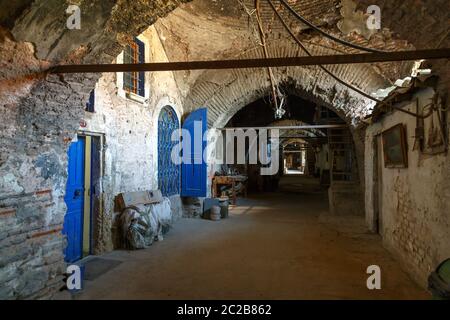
128,76
194,175
141,88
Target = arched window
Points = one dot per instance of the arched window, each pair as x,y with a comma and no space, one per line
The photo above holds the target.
168,172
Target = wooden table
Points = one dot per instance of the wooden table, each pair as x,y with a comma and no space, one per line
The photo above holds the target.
229,181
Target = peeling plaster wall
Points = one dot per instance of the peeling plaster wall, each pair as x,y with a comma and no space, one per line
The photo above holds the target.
104,23
201,30
422,23
415,202
40,116
130,130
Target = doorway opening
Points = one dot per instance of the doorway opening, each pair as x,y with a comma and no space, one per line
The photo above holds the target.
83,196
294,158
317,154
378,164
323,151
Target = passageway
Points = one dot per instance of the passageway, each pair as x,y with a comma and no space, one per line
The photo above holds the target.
355,130
274,246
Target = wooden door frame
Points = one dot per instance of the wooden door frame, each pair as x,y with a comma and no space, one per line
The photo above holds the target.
377,189
89,216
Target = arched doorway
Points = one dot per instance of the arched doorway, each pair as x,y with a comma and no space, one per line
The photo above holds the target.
294,154
323,152
168,171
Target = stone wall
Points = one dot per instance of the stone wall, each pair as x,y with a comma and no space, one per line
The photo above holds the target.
40,118
41,113
414,202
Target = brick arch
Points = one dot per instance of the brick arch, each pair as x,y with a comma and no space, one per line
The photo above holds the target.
227,92
41,114
289,141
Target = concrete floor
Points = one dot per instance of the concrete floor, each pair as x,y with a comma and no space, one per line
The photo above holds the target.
273,246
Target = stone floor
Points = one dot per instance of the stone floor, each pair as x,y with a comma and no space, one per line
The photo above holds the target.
273,246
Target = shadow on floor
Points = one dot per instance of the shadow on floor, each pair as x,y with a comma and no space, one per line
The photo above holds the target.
273,246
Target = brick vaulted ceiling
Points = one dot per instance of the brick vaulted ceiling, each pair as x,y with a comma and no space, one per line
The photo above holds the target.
213,29
208,29
40,112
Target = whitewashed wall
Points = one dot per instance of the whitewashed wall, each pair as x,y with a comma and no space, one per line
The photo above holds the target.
130,130
415,202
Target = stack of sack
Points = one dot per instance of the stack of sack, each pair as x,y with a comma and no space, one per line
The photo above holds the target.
142,224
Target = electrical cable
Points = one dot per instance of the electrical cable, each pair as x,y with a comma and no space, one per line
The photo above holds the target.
288,29
309,54
329,36
266,53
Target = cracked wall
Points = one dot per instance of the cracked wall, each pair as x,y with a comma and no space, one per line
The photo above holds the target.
41,113
414,203
130,130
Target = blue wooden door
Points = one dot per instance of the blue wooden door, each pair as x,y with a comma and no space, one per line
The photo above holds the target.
194,172
74,198
168,170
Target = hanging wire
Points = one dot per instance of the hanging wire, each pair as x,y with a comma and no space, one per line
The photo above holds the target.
348,85
329,36
273,82
279,99
250,14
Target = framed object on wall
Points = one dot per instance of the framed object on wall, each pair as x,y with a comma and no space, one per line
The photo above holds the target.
395,147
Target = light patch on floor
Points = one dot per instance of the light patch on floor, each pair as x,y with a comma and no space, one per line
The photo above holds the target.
273,246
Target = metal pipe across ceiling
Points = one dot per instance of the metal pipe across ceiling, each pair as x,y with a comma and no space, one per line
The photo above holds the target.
257,63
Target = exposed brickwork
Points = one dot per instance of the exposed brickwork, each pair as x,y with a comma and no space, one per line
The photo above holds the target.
422,23
414,203
410,234
41,114
194,33
225,93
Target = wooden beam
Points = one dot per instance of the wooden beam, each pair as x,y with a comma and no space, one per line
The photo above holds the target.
304,137
257,63
304,127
